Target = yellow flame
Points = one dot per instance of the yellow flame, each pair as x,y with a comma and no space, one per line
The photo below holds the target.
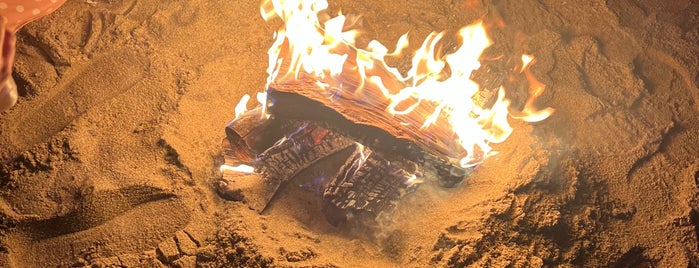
437,88
363,154
536,88
242,106
241,168
526,60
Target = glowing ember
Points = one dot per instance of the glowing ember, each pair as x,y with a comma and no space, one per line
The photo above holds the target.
436,94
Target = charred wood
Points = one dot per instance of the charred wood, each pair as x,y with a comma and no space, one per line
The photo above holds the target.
370,129
369,182
282,161
253,132
296,152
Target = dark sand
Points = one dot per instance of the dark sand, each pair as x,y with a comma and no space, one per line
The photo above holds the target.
109,157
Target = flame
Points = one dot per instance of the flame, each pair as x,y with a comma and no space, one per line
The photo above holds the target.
437,90
242,106
363,154
241,168
536,88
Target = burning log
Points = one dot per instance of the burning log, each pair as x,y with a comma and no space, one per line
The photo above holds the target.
252,133
283,160
369,182
298,151
325,93
301,100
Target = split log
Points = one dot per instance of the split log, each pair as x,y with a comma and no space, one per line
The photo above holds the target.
301,100
293,153
296,152
253,132
369,182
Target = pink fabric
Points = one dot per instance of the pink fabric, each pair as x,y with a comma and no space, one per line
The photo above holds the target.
13,15
21,12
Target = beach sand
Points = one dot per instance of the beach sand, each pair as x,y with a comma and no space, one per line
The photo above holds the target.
110,155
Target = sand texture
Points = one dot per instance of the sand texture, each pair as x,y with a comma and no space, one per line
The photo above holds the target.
109,158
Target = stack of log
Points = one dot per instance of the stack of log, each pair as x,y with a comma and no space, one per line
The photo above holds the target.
377,159
378,163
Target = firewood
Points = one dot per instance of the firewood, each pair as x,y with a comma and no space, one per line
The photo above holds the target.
369,182
294,153
300,149
299,101
253,132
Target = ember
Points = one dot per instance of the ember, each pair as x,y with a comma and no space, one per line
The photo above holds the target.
327,97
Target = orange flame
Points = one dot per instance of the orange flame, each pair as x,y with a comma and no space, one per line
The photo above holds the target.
437,90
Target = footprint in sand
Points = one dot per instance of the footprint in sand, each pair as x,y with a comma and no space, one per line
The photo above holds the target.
107,223
82,89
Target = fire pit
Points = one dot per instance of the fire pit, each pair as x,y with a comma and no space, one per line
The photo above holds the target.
377,133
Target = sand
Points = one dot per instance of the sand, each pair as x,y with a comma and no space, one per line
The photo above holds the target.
110,155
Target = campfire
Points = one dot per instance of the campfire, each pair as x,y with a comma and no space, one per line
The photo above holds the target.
376,132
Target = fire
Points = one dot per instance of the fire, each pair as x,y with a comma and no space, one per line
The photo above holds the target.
241,168
536,88
437,93
242,105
